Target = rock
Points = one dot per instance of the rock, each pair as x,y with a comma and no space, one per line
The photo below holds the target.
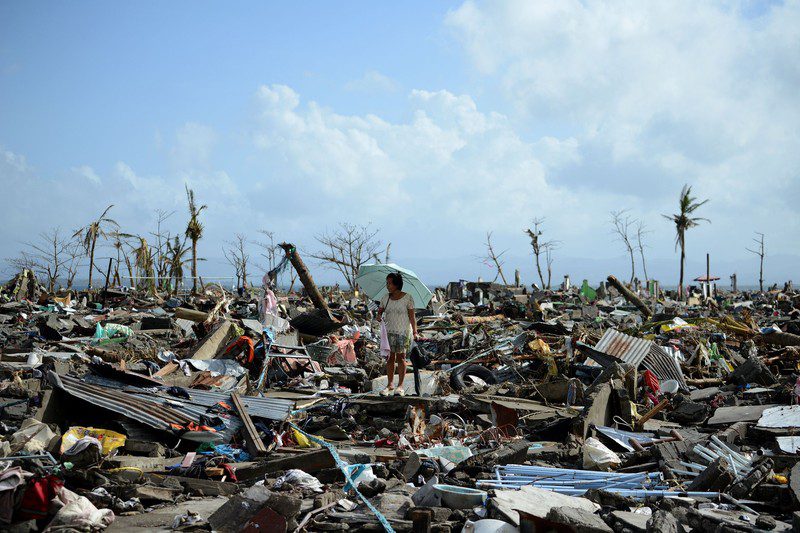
766,522
393,505
579,519
662,522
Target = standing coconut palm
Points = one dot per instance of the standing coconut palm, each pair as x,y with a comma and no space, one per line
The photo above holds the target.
143,255
90,234
175,257
194,232
683,221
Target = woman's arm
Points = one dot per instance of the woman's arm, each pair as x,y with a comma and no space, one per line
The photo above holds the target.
413,320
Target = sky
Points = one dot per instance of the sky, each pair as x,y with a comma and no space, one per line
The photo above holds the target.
435,122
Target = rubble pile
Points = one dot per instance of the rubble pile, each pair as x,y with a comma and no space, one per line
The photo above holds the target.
609,408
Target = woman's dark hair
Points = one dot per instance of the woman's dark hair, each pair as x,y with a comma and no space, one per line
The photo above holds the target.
397,280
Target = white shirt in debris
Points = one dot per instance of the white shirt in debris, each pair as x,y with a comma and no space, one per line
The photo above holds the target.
395,314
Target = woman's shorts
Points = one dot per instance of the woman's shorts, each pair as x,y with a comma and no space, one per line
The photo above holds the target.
399,343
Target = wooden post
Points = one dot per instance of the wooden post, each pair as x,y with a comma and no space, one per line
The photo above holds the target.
105,289
255,446
305,278
708,275
630,296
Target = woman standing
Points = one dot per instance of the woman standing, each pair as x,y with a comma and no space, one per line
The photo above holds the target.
397,311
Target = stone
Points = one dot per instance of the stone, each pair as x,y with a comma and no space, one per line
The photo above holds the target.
393,505
662,522
579,519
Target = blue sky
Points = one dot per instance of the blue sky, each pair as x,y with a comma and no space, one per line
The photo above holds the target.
434,121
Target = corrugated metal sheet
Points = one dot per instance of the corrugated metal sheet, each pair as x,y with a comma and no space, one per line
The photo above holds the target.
641,352
271,408
159,410
629,349
159,417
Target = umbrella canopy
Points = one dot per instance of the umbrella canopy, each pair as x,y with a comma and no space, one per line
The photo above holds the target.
372,280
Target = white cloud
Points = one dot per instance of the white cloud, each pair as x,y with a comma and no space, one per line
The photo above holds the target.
653,95
88,173
194,144
372,81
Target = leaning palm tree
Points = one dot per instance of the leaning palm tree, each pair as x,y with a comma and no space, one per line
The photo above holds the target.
683,221
91,233
194,231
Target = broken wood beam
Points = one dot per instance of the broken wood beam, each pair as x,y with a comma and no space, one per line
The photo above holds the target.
630,296
305,277
191,314
255,446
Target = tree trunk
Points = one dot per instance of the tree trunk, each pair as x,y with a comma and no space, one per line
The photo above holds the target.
644,267
633,266
305,278
630,296
194,266
680,282
91,261
541,278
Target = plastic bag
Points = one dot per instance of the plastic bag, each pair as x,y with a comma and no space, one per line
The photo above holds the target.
598,455
385,350
111,330
298,479
109,440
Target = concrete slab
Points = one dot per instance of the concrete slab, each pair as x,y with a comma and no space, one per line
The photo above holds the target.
161,519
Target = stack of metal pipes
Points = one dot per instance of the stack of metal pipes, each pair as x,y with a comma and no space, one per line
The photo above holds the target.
739,464
577,482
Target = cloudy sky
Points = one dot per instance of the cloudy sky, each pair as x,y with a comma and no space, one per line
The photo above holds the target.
434,121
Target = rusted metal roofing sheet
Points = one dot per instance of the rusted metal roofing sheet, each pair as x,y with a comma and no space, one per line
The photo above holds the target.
629,349
640,352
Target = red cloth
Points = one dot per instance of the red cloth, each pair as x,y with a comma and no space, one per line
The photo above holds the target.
36,500
651,381
241,343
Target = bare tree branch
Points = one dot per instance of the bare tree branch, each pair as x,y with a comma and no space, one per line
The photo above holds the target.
539,246
493,259
347,248
236,254
622,225
761,253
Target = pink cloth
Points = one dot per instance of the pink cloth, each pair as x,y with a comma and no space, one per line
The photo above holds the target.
385,350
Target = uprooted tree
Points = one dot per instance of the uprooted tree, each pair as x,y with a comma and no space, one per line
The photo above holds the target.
346,248
541,247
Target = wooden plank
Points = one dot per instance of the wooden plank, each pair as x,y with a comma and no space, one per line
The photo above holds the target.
255,446
166,370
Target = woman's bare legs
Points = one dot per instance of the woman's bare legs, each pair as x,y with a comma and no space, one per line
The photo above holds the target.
390,370
400,359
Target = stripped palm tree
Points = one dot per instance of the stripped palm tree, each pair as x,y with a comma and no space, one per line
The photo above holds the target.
143,258
683,221
194,232
175,257
118,241
90,234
